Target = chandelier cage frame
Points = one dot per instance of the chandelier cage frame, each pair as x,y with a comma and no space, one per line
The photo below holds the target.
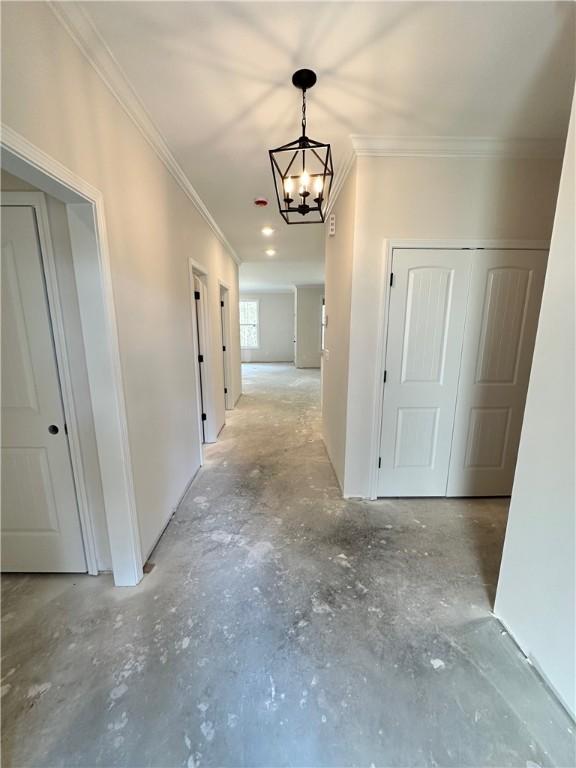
302,169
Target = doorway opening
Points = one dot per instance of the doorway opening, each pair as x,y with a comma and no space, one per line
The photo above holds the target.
225,331
41,528
85,409
202,353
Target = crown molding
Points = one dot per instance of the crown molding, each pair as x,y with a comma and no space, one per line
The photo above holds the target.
340,179
456,146
441,146
82,30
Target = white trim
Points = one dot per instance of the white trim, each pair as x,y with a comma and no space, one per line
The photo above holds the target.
81,28
200,269
40,165
37,202
224,284
182,496
196,352
474,242
206,333
171,514
389,246
225,322
200,331
535,664
455,146
381,343
99,330
339,181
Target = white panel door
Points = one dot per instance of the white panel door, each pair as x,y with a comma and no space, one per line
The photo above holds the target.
425,330
40,523
503,308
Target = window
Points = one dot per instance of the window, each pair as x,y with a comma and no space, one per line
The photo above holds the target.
249,325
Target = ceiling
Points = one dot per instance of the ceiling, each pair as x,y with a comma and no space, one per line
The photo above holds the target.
277,274
215,79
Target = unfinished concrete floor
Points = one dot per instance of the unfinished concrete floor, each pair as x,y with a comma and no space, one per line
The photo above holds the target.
281,626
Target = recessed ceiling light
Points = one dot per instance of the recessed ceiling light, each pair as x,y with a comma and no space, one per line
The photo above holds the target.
267,231
270,252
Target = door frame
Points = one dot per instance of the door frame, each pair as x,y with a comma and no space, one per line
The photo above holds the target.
91,261
388,248
37,201
225,320
197,337
195,269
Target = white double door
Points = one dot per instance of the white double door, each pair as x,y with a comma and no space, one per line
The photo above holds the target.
461,331
40,521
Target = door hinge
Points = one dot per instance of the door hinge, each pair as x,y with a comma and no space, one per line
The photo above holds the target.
197,295
223,349
391,278
200,358
385,376
65,428
225,390
379,462
203,417
221,303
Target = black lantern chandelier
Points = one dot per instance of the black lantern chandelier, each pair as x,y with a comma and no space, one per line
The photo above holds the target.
302,169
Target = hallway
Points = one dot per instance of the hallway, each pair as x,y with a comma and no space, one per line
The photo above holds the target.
281,625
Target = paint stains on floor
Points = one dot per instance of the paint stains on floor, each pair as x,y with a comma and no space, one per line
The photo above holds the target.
281,626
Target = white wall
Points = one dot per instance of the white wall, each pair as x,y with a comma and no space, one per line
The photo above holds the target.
276,328
60,104
536,596
443,198
308,325
338,294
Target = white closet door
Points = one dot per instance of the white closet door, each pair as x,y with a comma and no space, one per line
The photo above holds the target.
503,308
425,330
40,523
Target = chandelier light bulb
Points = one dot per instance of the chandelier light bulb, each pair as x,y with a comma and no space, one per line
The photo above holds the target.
304,182
318,185
289,186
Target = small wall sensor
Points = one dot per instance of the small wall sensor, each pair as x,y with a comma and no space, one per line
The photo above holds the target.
261,202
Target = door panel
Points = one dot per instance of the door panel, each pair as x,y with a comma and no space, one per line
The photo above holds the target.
506,293
425,331
427,320
503,308
416,437
40,523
